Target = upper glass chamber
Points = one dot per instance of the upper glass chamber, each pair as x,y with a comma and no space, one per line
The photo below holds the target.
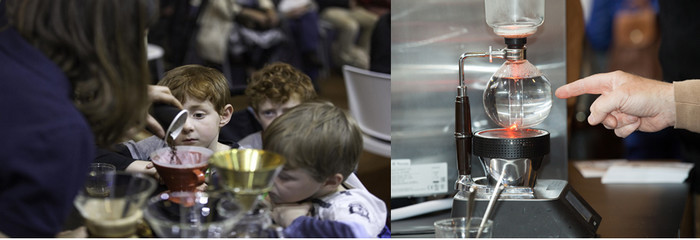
514,18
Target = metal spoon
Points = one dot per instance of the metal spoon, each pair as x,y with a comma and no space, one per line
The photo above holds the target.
496,194
173,131
175,128
470,204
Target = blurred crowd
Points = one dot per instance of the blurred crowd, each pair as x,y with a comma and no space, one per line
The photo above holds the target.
238,37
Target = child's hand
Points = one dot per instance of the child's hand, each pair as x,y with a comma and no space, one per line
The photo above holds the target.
141,166
145,167
284,214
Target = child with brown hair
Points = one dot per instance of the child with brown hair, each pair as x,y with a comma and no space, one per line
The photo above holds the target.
204,93
316,194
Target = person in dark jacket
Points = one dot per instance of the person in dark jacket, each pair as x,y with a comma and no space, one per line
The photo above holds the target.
74,75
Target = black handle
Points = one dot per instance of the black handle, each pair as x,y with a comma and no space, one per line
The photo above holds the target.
463,134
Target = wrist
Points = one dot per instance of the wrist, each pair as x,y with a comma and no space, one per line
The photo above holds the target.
671,103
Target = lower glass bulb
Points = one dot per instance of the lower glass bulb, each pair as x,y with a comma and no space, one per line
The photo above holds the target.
518,95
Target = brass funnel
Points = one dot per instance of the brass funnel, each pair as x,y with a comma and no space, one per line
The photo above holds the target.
247,172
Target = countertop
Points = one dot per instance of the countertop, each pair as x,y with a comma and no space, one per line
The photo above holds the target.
627,210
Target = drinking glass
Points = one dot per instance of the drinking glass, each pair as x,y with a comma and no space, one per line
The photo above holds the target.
118,214
100,179
193,214
457,228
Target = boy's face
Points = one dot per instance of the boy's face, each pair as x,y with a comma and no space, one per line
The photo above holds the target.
268,111
202,126
294,185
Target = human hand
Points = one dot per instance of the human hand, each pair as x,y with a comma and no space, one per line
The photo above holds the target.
284,214
145,167
627,102
160,94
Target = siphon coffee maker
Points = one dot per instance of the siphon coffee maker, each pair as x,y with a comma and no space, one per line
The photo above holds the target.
517,97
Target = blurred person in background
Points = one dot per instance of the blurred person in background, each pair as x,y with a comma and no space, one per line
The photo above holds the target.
625,35
74,76
300,21
353,24
238,37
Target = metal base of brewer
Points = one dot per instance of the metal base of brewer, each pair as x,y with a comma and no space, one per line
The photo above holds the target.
484,191
556,210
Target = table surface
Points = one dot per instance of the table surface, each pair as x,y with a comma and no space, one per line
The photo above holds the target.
637,210
627,210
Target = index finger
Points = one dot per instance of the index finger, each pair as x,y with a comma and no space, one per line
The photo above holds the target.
594,84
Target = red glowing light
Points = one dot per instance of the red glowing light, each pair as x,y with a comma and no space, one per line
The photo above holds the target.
513,127
510,133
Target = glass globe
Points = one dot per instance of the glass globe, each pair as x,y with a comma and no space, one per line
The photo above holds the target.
518,95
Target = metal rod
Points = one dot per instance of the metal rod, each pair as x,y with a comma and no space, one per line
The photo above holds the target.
463,120
496,194
470,205
463,126
461,64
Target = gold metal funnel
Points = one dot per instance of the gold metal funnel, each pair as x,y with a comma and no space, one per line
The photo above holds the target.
247,172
